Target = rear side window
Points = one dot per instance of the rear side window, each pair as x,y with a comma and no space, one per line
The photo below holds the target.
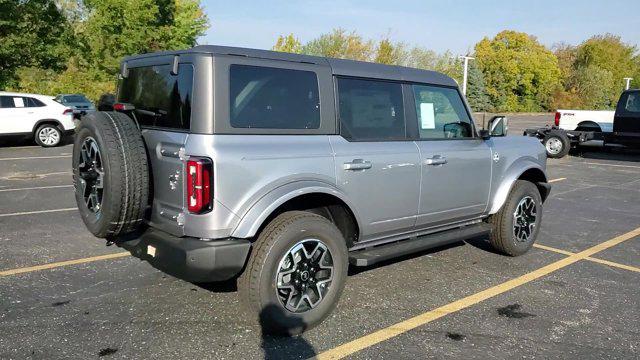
160,98
633,103
371,110
32,102
273,98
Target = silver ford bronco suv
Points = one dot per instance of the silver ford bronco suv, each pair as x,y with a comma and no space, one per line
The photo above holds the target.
281,170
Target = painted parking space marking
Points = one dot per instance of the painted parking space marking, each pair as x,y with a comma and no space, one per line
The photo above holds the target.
556,180
614,165
35,157
595,260
36,188
387,333
37,212
62,263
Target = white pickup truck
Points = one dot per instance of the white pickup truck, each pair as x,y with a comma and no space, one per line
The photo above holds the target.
585,120
620,128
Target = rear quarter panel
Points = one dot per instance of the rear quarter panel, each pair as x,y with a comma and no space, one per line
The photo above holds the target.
248,168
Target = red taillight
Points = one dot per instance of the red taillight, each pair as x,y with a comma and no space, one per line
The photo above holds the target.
199,173
557,120
67,112
118,107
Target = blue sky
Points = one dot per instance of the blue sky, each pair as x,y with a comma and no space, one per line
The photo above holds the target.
437,25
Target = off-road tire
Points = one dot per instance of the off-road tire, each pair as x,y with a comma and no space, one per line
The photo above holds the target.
502,237
125,194
256,285
51,127
564,140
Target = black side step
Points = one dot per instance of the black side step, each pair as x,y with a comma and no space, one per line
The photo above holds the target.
370,256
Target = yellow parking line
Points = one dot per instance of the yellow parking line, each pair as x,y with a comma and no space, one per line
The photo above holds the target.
429,316
556,180
614,264
62,263
549,248
596,260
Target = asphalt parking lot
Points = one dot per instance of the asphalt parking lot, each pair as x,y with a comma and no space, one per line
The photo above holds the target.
64,294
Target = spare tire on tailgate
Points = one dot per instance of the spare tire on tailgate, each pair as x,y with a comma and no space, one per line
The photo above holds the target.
110,174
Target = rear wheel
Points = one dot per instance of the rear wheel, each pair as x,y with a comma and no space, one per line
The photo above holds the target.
295,274
557,145
516,225
110,173
48,135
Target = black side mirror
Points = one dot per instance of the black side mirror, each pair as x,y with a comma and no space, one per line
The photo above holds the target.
484,134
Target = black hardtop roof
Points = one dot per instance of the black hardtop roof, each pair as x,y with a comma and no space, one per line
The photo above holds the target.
341,67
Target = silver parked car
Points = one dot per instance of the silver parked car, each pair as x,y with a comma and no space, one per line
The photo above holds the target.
283,169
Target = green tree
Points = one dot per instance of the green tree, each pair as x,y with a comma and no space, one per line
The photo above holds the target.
103,32
340,44
595,87
288,43
476,90
32,33
608,53
391,53
520,73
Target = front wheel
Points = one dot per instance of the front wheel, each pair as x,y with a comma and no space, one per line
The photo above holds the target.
295,274
516,225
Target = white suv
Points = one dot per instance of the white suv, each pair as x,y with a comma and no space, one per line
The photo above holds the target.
33,115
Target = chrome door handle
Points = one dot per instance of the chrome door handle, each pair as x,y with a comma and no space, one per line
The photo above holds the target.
357,164
436,160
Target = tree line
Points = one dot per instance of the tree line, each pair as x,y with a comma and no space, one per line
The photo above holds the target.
511,72
75,46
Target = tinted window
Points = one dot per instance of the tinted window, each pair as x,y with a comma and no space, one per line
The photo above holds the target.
31,102
273,98
6,102
75,99
371,110
160,99
441,113
633,103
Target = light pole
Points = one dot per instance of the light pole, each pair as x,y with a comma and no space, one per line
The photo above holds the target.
464,76
628,80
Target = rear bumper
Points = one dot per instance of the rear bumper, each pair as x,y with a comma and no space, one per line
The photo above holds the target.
190,258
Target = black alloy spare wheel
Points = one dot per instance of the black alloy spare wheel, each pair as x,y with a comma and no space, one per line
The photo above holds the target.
110,174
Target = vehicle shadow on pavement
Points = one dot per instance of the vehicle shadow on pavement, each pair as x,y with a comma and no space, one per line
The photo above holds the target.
283,347
21,141
482,243
608,154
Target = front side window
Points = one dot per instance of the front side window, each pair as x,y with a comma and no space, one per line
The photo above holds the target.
371,110
161,99
441,113
273,98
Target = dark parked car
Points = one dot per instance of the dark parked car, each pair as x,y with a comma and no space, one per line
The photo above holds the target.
75,101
